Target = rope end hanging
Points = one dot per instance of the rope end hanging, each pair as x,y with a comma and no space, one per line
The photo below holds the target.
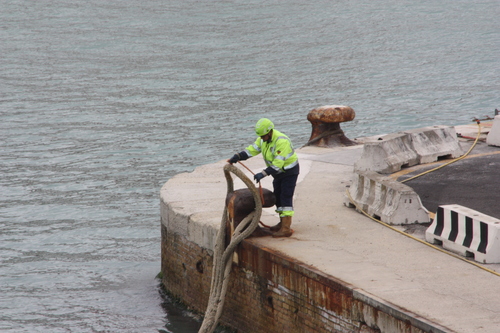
223,257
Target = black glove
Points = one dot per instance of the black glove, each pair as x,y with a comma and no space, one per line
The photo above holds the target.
258,177
234,159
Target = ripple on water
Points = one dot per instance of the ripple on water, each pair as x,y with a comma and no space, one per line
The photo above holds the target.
101,102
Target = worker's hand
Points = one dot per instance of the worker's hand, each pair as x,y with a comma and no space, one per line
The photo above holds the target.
258,177
234,159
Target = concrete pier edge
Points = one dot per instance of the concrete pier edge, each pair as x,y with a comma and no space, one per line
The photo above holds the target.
370,299
191,208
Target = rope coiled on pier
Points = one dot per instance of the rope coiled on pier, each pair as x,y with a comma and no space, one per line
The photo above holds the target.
222,258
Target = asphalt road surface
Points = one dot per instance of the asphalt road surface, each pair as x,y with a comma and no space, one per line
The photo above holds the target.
473,182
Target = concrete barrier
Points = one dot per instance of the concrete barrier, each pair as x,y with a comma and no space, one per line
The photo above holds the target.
390,153
493,138
386,199
432,143
467,232
387,154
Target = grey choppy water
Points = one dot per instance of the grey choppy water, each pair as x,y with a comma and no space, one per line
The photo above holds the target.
102,102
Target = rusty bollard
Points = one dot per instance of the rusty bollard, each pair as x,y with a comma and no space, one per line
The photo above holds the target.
326,131
239,204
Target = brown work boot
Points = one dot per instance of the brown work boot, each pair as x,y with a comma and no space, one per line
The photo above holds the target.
285,231
276,227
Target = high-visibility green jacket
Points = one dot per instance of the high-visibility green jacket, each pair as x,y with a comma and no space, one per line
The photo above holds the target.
278,154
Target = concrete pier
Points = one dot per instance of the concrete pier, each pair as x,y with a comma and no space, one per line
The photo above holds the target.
339,272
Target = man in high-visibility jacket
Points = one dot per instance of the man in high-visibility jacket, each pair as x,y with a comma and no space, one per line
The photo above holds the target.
282,163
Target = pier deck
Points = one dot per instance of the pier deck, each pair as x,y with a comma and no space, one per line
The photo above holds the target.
343,243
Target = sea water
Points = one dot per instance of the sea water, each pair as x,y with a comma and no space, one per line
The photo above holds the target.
101,102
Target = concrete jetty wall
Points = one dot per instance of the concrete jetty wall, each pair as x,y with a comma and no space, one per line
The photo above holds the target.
269,291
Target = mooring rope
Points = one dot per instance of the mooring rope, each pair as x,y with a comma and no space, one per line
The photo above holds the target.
261,191
260,185
222,260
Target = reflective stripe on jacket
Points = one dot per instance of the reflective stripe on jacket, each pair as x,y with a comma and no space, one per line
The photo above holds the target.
278,154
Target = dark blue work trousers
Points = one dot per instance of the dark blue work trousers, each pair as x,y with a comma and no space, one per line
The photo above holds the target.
284,188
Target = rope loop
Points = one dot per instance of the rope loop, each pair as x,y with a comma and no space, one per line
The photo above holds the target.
222,257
